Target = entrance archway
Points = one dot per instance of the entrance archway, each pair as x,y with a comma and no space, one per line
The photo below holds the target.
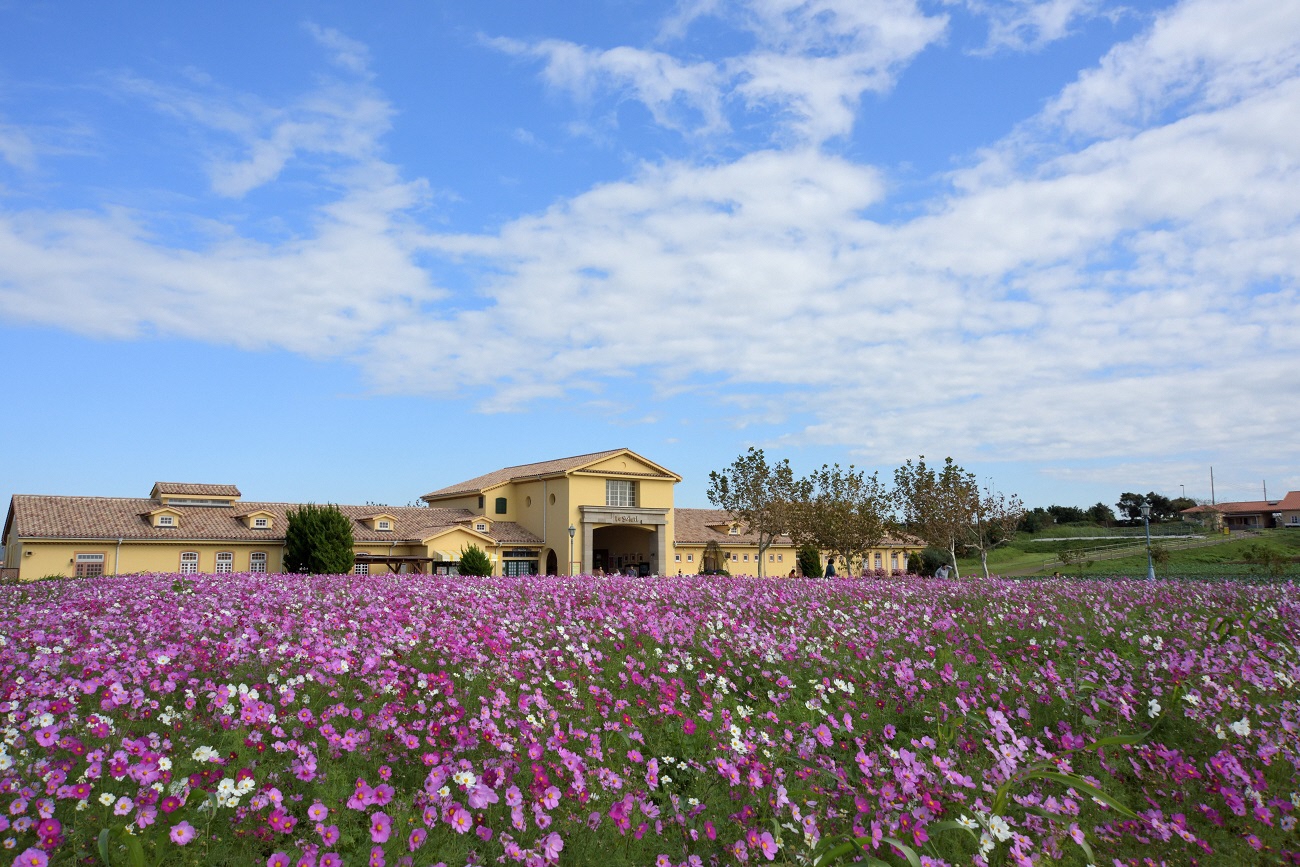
625,549
552,563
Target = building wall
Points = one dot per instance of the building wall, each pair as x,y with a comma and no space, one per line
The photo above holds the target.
58,557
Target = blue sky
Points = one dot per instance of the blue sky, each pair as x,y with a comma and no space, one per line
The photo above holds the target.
340,253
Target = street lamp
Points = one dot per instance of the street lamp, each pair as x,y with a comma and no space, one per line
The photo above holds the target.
1145,508
573,531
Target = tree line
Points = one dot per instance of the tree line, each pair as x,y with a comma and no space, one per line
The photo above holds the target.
846,512
1127,511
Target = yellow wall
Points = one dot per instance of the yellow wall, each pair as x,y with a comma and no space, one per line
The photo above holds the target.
56,558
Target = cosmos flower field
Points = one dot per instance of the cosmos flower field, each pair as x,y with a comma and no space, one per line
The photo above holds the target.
415,720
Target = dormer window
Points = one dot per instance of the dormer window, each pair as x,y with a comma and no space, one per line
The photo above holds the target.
261,523
166,521
382,524
733,530
481,527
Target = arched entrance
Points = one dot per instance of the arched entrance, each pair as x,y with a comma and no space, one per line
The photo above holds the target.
624,549
552,563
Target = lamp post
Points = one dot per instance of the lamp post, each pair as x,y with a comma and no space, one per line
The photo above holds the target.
1146,522
573,531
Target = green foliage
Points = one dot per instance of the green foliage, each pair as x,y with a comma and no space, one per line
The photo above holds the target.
1265,560
929,560
842,512
474,561
810,561
1101,514
318,540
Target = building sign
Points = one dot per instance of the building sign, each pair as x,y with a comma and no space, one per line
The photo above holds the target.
628,519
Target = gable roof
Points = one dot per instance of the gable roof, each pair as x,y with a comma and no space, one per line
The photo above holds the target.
541,469
111,518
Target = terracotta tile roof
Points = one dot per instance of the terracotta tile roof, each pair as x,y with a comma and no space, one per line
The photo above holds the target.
48,517
523,471
692,527
194,489
1291,502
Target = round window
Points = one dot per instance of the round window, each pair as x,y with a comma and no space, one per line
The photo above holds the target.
552,499
528,502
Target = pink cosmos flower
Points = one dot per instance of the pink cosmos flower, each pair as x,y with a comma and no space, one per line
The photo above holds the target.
767,845
331,859
329,834
182,833
416,840
279,859
317,812
552,845
31,858
461,820
380,827
377,857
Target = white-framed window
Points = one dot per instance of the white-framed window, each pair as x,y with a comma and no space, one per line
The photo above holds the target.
261,523
257,562
893,560
166,521
482,528
690,558
189,562
879,561
89,565
733,530
383,525
620,492
361,569
745,558
225,562
780,558
677,558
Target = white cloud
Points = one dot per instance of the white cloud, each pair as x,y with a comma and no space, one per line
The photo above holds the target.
1201,54
1029,25
16,148
811,63
682,96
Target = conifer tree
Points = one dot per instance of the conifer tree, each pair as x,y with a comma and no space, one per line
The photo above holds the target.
318,540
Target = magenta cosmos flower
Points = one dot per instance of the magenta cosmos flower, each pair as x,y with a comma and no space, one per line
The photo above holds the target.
182,833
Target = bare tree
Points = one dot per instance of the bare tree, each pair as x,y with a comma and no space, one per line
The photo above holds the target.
757,496
996,517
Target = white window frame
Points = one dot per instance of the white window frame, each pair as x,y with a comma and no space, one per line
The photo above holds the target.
690,558
482,528
620,493
189,562
166,520
677,558
257,562
261,523
383,525
225,563
360,568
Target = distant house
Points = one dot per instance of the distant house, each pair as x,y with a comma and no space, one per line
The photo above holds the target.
1250,515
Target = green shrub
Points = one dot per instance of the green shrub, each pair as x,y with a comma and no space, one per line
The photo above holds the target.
318,540
474,561
810,561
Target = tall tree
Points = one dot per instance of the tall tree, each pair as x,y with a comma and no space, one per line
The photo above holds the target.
996,517
937,505
318,539
757,496
841,511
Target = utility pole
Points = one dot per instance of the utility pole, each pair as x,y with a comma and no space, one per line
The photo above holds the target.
1212,502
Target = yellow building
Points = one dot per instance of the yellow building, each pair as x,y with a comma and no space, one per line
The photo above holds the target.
607,511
